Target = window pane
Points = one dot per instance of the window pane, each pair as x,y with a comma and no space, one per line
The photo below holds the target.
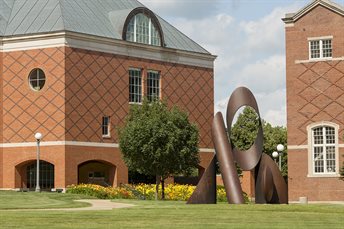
330,135
153,86
318,135
315,49
330,159
142,29
135,86
327,48
155,36
130,30
106,126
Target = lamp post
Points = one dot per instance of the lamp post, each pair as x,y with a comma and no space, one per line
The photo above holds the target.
280,149
275,155
38,137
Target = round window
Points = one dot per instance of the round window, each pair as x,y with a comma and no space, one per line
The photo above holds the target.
37,79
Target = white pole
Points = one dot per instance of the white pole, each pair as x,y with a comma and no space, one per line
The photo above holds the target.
38,189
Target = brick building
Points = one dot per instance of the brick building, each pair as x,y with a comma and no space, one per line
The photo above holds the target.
72,69
315,100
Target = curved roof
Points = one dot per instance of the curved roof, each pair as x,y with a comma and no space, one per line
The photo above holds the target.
104,18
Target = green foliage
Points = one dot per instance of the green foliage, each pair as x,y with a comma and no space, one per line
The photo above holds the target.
143,191
272,137
244,133
100,192
158,141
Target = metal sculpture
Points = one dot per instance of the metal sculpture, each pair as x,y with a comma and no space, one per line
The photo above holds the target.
270,186
205,192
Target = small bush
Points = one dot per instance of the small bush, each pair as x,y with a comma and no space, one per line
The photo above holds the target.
100,191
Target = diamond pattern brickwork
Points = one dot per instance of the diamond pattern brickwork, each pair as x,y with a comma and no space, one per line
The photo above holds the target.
319,96
25,111
97,85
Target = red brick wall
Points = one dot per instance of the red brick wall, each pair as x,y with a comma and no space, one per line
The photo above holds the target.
14,158
26,111
97,85
81,87
1,121
315,92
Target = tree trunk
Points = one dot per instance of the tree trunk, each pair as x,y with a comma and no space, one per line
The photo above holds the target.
157,182
162,188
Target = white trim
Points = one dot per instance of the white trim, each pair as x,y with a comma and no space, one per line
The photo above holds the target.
33,42
60,143
326,175
320,38
318,59
106,45
292,147
295,147
206,150
289,25
76,143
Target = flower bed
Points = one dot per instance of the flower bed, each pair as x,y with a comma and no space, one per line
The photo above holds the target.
142,191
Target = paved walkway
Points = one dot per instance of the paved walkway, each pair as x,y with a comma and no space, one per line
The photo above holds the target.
318,202
96,206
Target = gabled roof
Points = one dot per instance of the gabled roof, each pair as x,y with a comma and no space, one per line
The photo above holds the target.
103,18
293,17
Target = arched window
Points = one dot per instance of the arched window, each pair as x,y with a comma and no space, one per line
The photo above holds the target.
324,149
142,29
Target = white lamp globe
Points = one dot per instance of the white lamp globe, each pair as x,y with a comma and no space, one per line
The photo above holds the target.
280,147
275,154
38,136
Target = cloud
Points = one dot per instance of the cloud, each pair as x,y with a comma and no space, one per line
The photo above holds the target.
266,35
183,8
263,75
272,106
250,52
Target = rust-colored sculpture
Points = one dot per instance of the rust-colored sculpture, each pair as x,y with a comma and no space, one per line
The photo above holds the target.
205,192
270,186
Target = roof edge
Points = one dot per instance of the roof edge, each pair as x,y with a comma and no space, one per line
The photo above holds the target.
293,17
81,40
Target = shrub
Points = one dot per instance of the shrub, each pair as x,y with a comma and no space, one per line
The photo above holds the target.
147,191
100,191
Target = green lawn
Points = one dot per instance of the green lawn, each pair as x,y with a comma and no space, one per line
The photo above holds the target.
162,214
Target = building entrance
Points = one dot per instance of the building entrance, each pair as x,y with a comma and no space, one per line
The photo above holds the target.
46,175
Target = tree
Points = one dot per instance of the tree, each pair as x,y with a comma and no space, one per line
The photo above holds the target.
244,133
158,141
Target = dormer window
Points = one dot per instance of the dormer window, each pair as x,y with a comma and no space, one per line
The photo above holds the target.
143,27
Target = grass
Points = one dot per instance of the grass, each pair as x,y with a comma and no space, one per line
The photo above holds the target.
163,214
33,200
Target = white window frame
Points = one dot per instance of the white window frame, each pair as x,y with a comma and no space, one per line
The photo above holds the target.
311,145
320,39
141,86
106,126
150,27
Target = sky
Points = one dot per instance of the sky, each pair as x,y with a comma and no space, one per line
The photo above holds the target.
247,36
